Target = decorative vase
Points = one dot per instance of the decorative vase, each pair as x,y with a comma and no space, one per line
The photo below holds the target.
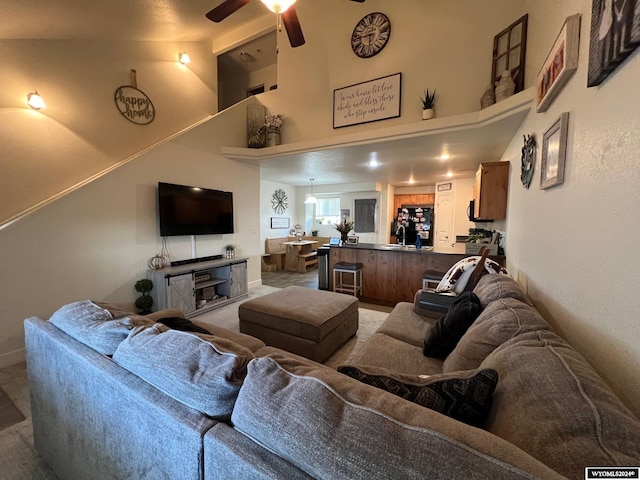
273,136
427,113
488,98
505,87
343,237
231,254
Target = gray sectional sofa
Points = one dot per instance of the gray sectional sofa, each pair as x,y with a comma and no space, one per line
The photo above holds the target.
115,395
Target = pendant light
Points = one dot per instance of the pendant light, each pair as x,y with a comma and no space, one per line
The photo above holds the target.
311,198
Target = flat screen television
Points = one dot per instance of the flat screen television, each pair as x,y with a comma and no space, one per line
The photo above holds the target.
184,210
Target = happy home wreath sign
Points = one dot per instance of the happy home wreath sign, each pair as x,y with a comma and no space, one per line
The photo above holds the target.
133,104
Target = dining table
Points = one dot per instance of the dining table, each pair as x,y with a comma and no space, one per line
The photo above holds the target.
295,249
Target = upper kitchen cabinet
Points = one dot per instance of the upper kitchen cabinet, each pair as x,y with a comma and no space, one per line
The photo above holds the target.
490,191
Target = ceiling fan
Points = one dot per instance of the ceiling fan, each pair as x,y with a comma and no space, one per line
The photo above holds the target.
283,8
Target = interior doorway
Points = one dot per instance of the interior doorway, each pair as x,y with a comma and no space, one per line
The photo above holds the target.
250,69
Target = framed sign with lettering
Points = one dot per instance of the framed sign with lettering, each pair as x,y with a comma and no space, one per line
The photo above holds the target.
366,102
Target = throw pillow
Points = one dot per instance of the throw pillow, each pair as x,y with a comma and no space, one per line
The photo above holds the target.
182,324
446,332
464,396
456,278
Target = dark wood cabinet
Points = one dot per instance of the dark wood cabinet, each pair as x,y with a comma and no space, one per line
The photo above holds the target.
490,191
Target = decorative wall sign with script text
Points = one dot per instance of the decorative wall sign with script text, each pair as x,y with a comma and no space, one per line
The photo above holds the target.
133,104
365,102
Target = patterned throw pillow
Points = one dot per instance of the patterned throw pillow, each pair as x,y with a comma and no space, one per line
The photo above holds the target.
458,275
464,396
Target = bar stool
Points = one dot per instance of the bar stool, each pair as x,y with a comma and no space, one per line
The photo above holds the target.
431,279
341,268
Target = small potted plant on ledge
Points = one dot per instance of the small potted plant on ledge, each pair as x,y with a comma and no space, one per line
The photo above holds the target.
428,104
344,227
230,251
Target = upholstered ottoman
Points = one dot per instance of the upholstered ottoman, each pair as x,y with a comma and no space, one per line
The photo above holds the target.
307,322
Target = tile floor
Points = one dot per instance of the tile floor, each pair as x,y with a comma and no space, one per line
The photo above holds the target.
18,457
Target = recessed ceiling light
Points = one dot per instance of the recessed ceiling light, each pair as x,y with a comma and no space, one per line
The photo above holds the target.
449,174
411,180
445,156
373,163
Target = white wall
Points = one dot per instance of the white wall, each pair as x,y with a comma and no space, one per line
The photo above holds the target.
575,246
267,189
95,242
81,132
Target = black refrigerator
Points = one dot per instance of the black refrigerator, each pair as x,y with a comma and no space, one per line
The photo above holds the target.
416,221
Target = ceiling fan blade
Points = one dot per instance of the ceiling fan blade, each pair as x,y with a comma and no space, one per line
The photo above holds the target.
225,9
292,26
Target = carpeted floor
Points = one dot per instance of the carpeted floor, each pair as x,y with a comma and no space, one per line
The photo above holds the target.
370,318
9,413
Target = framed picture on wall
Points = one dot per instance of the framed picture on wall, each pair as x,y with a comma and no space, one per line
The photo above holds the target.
560,65
279,222
614,35
554,149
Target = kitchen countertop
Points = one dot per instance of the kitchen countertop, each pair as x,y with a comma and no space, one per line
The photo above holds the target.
390,247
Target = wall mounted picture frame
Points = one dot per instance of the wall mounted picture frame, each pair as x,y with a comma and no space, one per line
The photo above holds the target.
277,223
614,35
554,150
366,102
560,65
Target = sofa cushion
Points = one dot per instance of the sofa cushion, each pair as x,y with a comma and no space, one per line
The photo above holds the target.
567,416
495,286
95,326
332,426
202,371
406,325
446,332
465,396
500,321
381,350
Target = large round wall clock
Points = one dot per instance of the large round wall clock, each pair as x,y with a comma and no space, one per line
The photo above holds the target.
370,35
279,201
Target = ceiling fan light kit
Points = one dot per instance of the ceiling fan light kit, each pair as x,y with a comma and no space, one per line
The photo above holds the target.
278,6
283,8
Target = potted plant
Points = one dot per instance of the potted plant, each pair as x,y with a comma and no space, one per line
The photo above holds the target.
144,302
230,250
428,104
314,233
344,227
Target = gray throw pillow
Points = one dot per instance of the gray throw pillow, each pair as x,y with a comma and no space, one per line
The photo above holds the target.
95,326
202,371
465,396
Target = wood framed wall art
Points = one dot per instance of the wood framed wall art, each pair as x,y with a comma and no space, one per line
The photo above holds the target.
560,65
615,33
366,102
509,52
554,150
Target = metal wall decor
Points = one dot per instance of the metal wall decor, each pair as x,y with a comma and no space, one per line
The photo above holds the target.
279,201
133,104
528,161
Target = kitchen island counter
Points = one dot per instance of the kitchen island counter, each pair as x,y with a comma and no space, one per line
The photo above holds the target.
391,274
